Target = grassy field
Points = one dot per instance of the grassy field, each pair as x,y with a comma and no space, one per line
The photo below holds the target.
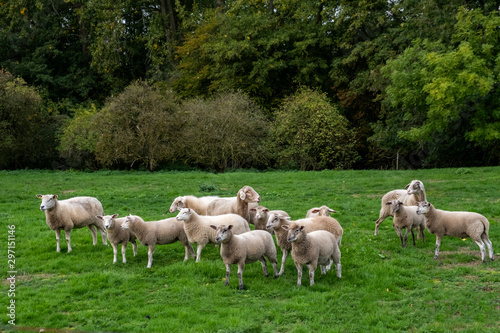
384,288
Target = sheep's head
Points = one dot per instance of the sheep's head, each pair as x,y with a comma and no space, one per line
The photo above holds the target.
260,212
183,214
248,194
178,204
423,207
321,211
126,224
222,232
294,231
395,205
273,221
48,201
416,186
108,220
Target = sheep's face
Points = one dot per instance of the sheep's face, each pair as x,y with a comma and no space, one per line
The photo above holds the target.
423,207
261,213
178,204
294,232
222,232
48,201
415,186
126,223
395,205
109,220
183,214
321,211
248,194
273,221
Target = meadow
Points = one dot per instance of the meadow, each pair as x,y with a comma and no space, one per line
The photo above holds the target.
384,288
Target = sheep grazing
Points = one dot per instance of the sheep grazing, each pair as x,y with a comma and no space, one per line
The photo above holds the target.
245,249
457,224
312,249
198,230
414,193
237,205
319,211
160,232
261,214
117,235
276,222
406,217
199,205
73,213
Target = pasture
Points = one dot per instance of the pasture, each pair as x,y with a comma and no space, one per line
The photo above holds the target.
384,288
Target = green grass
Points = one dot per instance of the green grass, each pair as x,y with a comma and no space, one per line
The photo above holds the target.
384,288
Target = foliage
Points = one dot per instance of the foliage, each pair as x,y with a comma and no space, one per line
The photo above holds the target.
226,131
312,134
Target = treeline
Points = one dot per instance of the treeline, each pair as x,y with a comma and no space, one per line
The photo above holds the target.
249,84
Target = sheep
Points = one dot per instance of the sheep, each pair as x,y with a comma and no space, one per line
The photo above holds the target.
312,249
245,249
414,193
73,213
261,214
160,232
199,205
319,211
197,227
456,224
405,217
117,235
236,205
276,221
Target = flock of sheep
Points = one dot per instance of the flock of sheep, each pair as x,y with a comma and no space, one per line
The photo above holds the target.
312,241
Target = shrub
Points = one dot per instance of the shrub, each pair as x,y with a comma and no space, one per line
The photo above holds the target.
311,134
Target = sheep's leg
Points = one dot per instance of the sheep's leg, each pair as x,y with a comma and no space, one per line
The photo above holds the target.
67,234
338,266
114,252
312,268
241,267
283,261
381,219
228,272
299,274
134,247
264,266
422,233
151,250
406,236
329,266
399,233
488,244
190,251
58,239
482,248
275,269
103,235
413,236
323,269
94,234
438,243
198,251
124,247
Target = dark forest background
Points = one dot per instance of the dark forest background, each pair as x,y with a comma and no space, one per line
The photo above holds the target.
213,84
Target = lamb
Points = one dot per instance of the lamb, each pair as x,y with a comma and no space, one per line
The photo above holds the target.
198,230
73,213
319,211
414,193
405,217
245,249
276,222
117,235
312,249
261,214
199,205
236,205
456,224
160,232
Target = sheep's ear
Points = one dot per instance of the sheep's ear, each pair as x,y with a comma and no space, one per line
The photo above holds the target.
99,217
55,196
266,210
301,228
213,227
114,216
287,218
253,210
331,210
406,187
229,227
400,202
243,195
388,203
315,211
39,196
285,227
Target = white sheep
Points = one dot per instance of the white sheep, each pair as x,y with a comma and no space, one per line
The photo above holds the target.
199,205
406,217
414,193
73,213
456,224
160,232
198,230
236,205
277,221
319,211
261,215
117,235
312,249
245,249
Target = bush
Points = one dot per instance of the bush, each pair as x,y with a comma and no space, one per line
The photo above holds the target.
311,134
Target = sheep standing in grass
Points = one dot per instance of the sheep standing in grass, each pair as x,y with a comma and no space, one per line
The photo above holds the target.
74,213
319,211
160,232
261,214
414,193
245,249
457,224
198,230
117,235
236,205
277,221
312,249
199,205
406,217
